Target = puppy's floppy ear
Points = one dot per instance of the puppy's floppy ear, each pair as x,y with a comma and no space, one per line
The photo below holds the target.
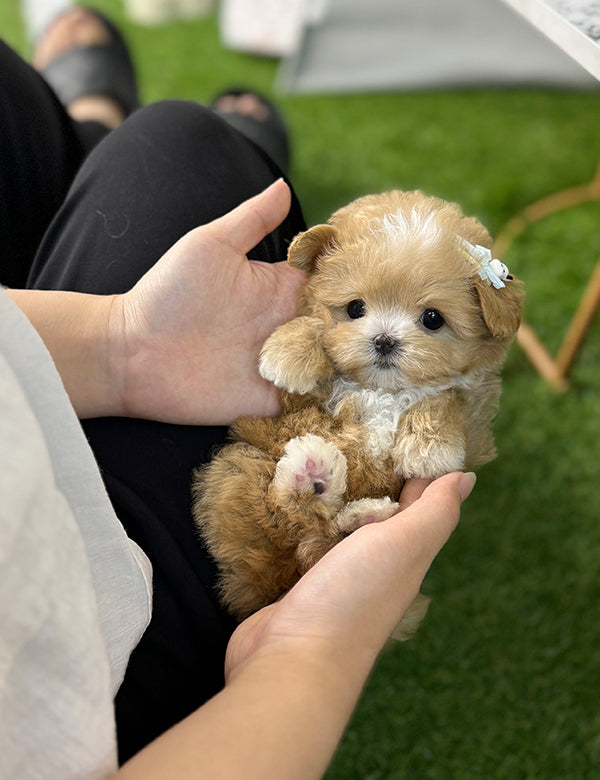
500,308
500,296
307,247
293,358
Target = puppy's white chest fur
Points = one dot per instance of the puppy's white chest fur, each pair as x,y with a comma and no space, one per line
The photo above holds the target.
380,411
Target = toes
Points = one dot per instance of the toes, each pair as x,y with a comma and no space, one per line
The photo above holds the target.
244,103
365,511
76,27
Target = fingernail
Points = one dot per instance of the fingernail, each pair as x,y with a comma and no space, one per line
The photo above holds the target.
466,484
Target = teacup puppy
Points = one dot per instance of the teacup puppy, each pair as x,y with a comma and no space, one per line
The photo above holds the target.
390,371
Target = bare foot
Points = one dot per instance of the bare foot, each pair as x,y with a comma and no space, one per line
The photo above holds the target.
266,127
78,28
245,104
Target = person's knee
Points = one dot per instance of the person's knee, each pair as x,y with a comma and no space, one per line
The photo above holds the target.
175,113
185,124
194,135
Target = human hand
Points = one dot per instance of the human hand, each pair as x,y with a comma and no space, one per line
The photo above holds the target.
188,335
295,669
352,599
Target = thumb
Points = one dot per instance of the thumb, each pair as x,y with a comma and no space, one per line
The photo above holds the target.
428,522
245,226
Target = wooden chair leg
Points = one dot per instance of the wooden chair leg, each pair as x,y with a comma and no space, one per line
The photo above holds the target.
555,369
540,358
580,323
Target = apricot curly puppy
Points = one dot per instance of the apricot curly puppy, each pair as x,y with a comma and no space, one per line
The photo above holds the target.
390,371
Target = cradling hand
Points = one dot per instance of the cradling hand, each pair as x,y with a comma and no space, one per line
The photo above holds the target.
189,333
349,603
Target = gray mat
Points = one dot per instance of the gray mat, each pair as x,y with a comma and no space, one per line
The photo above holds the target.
363,45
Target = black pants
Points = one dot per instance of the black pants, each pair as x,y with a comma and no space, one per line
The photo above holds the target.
95,221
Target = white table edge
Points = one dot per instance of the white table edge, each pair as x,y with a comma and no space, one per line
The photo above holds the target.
558,29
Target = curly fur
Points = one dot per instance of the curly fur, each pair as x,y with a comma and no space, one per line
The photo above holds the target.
367,401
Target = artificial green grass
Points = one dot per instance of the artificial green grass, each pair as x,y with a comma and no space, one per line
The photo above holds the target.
503,679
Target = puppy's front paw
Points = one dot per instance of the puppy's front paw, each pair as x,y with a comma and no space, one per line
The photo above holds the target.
311,466
293,357
429,457
365,511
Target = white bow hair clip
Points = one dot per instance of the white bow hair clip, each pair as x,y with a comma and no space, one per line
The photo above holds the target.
491,270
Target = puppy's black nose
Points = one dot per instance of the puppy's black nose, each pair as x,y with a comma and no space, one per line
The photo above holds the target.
384,344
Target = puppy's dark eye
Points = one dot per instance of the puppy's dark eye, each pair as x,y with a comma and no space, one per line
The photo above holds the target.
356,309
432,319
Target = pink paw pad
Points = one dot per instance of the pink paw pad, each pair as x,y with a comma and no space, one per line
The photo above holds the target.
311,465
315,475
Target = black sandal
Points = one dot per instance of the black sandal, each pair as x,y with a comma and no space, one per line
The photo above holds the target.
105,69
270,134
